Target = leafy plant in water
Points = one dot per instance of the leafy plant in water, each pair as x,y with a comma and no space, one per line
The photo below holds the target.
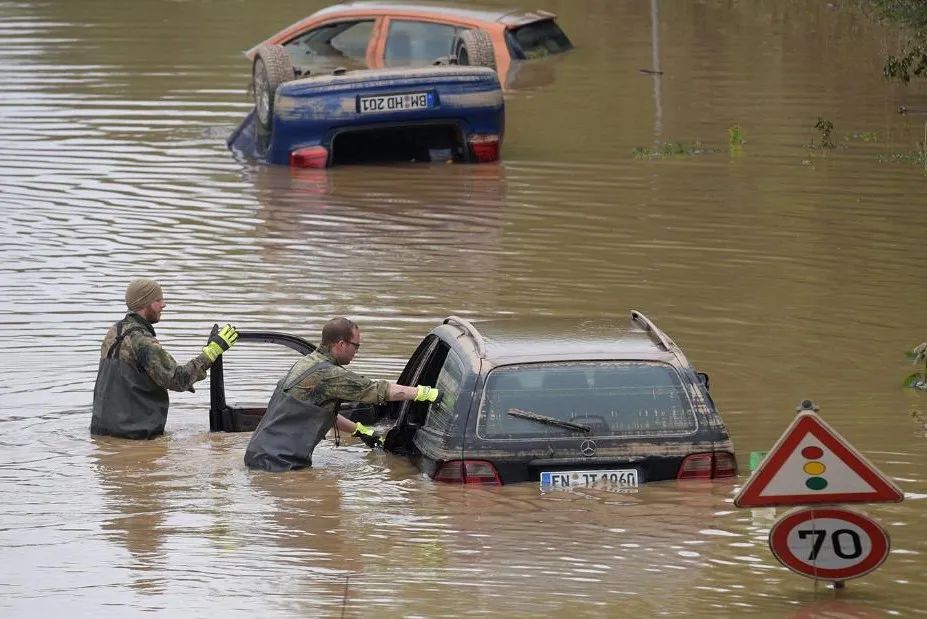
825,129
864,136
911,62
735,137
912,15
918,356
919,156
666,150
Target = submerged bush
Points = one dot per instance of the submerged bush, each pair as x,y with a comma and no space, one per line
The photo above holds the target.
912,60
673,150
918,356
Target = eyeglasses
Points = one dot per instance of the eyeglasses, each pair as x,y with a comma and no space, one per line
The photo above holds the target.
356,345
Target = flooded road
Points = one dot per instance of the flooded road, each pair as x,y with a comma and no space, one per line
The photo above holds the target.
786,271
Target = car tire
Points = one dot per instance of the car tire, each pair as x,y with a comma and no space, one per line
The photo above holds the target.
272,67
474,48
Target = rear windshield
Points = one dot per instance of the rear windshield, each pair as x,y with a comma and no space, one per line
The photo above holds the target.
625,399
537,39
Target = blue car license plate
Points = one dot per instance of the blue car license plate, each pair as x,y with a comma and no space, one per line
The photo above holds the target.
395,103
618,479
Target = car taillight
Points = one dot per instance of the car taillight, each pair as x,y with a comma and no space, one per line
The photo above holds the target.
725,465
709,465
309,157
468,472
484,147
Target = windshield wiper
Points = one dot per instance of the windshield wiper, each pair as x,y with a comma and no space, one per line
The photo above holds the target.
517,412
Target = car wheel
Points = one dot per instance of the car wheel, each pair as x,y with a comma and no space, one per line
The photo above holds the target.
272,67
474,47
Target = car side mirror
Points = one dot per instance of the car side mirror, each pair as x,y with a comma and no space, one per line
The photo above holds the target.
702,376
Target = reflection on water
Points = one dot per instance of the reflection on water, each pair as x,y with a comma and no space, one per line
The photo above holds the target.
784,272
134,504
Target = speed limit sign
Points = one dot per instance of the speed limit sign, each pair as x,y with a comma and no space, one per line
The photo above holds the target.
829,543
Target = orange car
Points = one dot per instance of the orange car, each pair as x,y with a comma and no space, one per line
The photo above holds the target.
358,35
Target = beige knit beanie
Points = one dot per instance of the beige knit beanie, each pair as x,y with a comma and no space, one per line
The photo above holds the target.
141,292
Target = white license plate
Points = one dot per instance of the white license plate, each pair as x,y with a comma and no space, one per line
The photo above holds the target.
394,103
620,479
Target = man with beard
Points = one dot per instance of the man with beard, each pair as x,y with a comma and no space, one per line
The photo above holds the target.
130,396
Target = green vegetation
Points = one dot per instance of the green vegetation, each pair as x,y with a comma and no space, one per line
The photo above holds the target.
735,138
673,150
919,156
826,132
918,356
916,157
680,150
863,136
912,60
823,140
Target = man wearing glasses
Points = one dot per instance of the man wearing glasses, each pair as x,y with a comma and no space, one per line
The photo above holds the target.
304,406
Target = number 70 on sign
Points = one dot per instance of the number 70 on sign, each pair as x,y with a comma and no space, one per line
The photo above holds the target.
829,543
838,537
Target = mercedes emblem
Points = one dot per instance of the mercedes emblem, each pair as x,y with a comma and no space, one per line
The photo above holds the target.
587,448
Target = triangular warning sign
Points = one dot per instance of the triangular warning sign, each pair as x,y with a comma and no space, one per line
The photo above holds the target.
811,463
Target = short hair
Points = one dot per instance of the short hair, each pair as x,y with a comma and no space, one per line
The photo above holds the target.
338,329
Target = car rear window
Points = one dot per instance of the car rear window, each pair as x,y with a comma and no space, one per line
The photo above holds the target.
625,399
537,39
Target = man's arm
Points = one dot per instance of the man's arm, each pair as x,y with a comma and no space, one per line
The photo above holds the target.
394,393
161,367
401,392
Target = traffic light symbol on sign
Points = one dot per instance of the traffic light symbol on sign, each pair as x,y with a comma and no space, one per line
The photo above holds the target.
814,467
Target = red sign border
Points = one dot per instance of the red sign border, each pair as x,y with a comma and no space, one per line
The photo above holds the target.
778,536
809,423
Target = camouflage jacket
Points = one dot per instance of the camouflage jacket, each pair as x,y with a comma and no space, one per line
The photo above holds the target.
334,384
142,350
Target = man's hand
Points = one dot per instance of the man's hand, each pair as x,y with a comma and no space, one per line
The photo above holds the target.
427,394
220,340
371,439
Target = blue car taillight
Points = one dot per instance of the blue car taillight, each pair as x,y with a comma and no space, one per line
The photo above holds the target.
468,472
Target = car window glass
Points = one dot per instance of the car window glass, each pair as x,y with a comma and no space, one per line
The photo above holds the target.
611,398
417,43
345,41
540,38
410,374
441,414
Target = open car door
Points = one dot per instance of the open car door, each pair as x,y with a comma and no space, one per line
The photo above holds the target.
224,417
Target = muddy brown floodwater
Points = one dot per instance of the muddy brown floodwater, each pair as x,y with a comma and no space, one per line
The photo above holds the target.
785,272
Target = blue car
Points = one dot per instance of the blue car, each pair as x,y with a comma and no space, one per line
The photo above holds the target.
438,113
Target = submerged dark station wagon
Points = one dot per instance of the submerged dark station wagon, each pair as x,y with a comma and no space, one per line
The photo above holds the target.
559,403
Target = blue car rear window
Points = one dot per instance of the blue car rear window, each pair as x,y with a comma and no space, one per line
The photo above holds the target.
611,399
538,39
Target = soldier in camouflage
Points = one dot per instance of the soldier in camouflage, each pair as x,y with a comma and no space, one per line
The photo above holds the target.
130,396
304,406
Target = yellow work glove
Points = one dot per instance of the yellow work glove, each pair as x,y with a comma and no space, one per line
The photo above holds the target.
371,439
220,340
426,394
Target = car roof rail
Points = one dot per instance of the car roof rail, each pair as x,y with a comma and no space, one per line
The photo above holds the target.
468,328
657,335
